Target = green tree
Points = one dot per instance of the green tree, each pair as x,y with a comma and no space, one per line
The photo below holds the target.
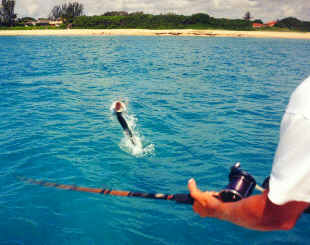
294,24
7,15
22,21
116,13
258,21
162,21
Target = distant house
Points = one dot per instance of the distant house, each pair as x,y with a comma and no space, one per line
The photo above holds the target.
44,22
260,25
257,25
57,22
271,24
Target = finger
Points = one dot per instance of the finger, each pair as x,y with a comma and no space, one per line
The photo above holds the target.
192,186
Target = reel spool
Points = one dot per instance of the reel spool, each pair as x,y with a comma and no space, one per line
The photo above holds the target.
241,185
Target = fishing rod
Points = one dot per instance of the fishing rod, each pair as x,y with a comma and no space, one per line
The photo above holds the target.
179,198
241,185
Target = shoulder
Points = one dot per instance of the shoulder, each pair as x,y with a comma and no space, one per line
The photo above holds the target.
300,100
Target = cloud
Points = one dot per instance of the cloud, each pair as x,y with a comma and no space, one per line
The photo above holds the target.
34,8
260,9
30,7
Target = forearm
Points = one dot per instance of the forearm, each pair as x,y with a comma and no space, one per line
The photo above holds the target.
248,213
258,213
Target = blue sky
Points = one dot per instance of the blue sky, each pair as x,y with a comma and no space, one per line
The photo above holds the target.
267,10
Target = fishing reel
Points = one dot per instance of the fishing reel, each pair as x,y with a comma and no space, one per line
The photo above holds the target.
241,185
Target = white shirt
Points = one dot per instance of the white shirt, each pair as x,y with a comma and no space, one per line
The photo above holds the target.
290,176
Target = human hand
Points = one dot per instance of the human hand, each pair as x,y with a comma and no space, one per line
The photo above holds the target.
205,203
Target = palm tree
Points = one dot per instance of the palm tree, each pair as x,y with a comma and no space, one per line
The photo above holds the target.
67,11
1,13
7,15
247,16
73,10
56,13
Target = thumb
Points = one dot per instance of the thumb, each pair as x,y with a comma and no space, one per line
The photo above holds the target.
193,189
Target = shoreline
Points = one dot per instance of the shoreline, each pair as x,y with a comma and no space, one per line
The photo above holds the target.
147,32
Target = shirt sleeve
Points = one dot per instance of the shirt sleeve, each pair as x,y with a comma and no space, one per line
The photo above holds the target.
290,176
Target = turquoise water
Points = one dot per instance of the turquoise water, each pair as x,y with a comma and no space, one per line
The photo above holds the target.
196,104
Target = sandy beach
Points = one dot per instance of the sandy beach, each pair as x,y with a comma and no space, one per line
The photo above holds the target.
145,32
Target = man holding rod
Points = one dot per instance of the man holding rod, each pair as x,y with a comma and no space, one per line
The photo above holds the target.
279,207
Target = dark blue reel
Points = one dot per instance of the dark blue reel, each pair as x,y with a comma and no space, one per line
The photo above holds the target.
241,185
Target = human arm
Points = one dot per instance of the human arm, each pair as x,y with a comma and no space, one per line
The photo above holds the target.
256,212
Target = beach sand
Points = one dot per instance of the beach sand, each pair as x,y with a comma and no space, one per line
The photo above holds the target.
145,32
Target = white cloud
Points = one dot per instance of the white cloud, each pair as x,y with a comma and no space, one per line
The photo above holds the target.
34,8
260,9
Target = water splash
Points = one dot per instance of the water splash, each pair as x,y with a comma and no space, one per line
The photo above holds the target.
138,149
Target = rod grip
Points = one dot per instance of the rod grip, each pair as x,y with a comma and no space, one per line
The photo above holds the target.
183,198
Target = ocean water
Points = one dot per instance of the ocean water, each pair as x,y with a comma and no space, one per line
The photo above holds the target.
196,105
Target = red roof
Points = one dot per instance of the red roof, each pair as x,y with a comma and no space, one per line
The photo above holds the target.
257,25
269,24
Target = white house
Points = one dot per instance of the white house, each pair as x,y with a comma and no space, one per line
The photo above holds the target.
44,22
